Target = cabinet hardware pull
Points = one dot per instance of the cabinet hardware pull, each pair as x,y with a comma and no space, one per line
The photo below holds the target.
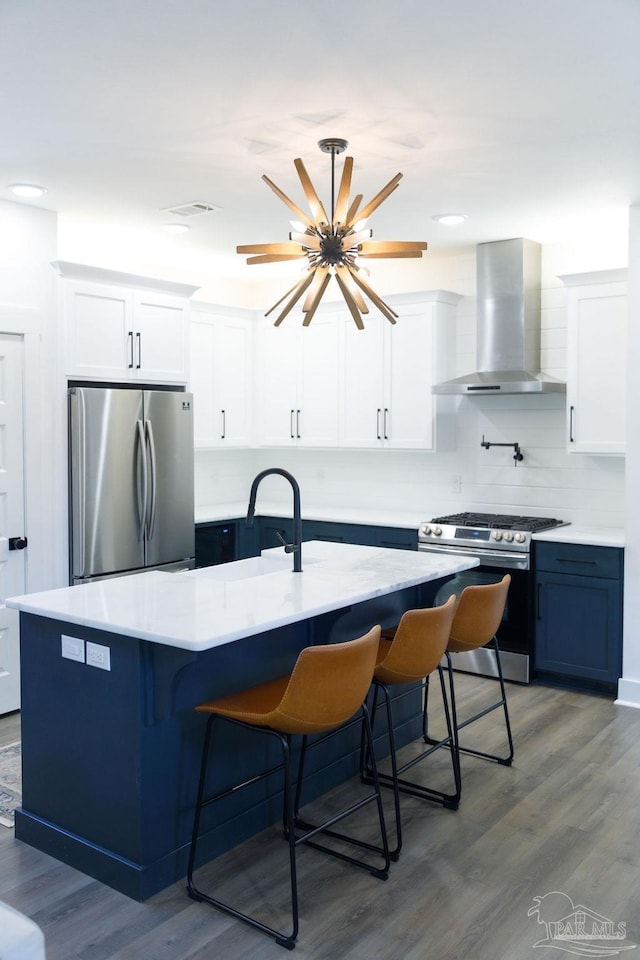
538,617
589,563
224,424
571,412
378,412
130,339
386,413
139,339
297,424
291,424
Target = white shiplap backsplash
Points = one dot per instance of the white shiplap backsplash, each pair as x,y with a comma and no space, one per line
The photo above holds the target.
548,482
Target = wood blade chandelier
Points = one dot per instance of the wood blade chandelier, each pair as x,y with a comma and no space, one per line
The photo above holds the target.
332,245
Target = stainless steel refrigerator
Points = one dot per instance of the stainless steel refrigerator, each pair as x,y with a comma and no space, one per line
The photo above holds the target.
131,500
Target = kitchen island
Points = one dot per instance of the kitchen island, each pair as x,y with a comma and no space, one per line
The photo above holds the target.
111,671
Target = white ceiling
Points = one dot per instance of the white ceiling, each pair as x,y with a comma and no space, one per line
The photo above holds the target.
523,116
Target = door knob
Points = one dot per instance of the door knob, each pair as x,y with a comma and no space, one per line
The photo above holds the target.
17,543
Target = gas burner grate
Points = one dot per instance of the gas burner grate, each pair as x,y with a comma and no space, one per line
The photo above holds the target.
499,521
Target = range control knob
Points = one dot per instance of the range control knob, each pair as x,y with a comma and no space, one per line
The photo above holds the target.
425,529
496,535
521,537
508,536
437,531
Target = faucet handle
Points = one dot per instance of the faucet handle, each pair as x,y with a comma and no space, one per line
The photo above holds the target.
288,547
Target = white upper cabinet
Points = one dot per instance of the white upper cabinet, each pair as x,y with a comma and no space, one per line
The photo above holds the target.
221,377
297,395
596,361
121,327
388,372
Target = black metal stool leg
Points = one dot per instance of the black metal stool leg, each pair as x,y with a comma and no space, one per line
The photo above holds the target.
282,939
312,830
460,725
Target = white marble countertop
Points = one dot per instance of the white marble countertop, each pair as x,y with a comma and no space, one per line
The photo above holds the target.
199,609
572,533
589,536
372,516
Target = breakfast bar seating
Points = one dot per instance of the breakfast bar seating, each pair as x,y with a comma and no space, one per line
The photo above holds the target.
327,686
414,652
478,613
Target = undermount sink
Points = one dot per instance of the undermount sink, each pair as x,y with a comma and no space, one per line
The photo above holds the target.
251,567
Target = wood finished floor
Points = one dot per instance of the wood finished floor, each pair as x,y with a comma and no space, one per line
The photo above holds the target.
564,817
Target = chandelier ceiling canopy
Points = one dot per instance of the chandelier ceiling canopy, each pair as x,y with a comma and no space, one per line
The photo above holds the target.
332,245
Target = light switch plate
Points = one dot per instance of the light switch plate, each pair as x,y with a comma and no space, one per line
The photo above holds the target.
72,648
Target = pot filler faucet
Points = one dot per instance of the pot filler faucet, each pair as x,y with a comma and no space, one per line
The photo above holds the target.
296,547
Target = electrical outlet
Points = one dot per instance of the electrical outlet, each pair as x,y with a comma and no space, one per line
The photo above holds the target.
72,648
456,483
98,656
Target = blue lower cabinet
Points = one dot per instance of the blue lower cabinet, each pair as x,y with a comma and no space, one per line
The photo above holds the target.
398,538
234,540
338,532
578,613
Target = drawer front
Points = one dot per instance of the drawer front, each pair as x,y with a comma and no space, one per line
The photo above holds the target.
579,560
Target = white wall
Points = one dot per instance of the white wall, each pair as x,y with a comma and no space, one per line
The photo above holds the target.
629,687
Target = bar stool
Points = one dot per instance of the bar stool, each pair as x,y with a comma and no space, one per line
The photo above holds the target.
407,655
477,617
327,686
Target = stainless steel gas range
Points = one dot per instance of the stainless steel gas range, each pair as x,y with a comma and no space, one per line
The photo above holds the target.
502,544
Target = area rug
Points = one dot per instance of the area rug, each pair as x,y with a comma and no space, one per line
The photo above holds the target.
10,782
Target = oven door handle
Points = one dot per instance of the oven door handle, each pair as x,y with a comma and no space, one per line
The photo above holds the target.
487,558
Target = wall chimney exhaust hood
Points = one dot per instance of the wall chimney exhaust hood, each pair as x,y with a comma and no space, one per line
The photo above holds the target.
508,324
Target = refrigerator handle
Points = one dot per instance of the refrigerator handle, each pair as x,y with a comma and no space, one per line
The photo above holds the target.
152,463
81,480
141,474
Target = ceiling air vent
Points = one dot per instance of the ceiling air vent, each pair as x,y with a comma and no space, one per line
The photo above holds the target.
191,209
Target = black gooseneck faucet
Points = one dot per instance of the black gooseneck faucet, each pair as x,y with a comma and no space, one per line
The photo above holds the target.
296,547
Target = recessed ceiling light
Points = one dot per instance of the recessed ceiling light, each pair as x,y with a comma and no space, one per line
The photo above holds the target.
450,219
27,190
175,228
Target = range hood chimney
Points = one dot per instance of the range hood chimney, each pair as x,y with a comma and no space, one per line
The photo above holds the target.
508,324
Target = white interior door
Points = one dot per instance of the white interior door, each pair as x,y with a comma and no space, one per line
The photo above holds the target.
12,520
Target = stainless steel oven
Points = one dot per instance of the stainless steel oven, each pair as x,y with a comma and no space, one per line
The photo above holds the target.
502,544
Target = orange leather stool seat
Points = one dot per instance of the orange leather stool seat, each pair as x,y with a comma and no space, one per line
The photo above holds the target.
327,687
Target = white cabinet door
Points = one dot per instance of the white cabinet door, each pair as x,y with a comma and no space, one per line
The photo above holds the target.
117,331
160,334
276,401
99,339
234,374
596,362
298,394
389,370
363,410
408,421
318,388
221,379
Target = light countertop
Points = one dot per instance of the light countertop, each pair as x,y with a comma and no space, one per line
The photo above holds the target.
200,609
572,533
372,516
589,536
